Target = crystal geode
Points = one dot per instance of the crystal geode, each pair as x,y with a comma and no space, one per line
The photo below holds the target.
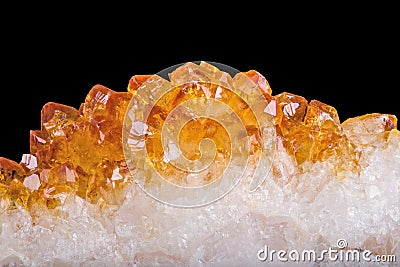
128,179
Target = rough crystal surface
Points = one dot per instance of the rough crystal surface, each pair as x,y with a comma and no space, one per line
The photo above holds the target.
72,200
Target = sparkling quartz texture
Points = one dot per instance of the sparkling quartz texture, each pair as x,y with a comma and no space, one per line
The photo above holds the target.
72,200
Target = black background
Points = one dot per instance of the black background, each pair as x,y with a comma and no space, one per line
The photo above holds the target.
347,59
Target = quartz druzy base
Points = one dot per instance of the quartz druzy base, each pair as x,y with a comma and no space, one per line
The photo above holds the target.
74,198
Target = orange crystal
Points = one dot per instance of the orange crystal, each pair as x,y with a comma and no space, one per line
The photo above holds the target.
80,150
194,131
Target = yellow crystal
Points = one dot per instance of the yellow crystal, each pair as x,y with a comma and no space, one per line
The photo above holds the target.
80,151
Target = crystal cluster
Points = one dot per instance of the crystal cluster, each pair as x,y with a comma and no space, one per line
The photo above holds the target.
75,151
73,201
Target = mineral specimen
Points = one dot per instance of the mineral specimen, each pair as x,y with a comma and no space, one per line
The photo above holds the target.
73,199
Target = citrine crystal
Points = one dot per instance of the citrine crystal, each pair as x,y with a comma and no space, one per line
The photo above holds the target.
80,151
312,132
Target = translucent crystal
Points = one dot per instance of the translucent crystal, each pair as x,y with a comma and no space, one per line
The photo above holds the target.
73,200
